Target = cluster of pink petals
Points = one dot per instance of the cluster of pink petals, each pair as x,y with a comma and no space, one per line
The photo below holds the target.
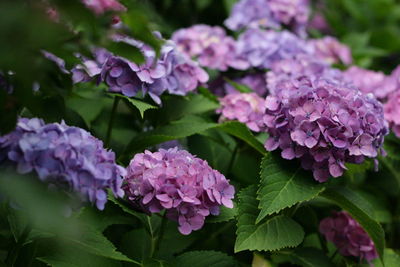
247,108
392,112
377,83
325,123
210,46
331,50
175,180
348,236
101,6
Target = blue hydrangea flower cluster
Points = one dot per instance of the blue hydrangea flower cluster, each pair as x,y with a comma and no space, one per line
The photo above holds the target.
175,180
325,123
64,155
173,71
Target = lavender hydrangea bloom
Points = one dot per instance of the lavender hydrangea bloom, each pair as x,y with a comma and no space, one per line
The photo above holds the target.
348,236
325,123
101,6
58,61
392,112
64,155
174,180
298,66
261,48
269,13
172,71
331,50
210,46
368,81
247,108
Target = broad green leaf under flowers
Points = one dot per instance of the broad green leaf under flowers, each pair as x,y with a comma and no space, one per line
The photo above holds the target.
272,234
205,258
283,185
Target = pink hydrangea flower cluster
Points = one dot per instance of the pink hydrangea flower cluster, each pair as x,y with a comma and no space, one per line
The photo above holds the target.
369,81
392,112
175,180
331,50
101,6
324,123
348,236
247,108
210,46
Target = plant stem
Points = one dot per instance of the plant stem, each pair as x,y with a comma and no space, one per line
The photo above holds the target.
160,233
232,160
111,121
13,254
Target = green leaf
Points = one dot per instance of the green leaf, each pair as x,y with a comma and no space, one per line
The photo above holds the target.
188,126
308,257
226,214
240,131
357,208
239,87
140,105
390,259
283,185
205,258
126,208
88,109
275,233
95,243
75,258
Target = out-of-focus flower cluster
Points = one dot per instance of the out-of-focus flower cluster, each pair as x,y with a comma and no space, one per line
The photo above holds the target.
247,108
392,112
348,236
174,180
261,48
210,46
269,13
325,123
329,49
101,6
377,83
64,155
172,71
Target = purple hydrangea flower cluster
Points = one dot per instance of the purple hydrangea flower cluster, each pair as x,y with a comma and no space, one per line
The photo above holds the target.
325,123
377,83
300,65
392,112
348,236
261,48
175,180
101,6
269,13
172,71
331,50
64,155
247,108
210,46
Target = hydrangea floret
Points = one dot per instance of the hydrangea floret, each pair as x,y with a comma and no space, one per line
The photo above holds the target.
325,123
64,155
348,236
180,183
247,108
210,46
